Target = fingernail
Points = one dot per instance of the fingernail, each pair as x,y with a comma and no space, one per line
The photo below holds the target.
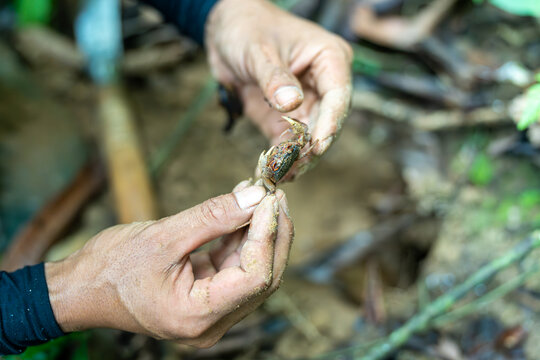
287,95
283,202
324,145
250,196
243,184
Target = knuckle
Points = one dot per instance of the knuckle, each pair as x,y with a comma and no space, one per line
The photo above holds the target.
348,51
345,48
266,49
340,46
212,211
149,230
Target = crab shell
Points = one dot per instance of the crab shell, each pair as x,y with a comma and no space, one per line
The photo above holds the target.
277,161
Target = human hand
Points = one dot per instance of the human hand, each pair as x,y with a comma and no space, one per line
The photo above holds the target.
268,54
145,277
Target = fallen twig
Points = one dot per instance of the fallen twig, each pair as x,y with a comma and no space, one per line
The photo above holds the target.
43,46
322,270
396,31
432,315
128,173
415,35
147,60
400,111
422,320
477,305
373,297
29,246
425,87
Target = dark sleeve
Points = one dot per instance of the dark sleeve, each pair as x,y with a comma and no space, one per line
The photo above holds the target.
188,15
26,316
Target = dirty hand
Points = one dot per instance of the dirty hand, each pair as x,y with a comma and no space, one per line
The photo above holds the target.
145,277
296,66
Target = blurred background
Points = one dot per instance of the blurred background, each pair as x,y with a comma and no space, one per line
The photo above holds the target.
434,177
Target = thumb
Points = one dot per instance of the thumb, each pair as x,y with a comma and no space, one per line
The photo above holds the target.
279,86
213,218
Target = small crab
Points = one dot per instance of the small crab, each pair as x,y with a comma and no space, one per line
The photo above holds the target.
277,161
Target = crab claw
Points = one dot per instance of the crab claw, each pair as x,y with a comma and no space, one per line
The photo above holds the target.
299,128
260,164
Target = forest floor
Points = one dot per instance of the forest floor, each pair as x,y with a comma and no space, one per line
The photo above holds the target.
400,210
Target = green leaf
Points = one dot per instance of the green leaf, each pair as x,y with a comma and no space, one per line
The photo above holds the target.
519,7
74,344
529,198
481,171
531,113
33,11
364,62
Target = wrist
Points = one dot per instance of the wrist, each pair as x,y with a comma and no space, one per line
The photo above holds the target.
76,300
84,290
56,280
60,290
